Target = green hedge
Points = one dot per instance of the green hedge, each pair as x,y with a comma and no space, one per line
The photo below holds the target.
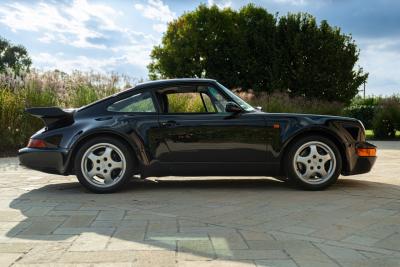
387,118
363,113
382,115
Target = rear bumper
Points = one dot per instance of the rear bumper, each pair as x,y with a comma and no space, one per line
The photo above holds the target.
359,165
45,160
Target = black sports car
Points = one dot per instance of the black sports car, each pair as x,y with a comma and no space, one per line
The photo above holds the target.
193,127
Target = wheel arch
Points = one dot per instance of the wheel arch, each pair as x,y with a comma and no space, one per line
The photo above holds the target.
320,132
133,147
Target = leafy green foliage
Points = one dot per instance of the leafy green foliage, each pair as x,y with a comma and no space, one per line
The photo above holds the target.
364,113
252,49
13,57
387,118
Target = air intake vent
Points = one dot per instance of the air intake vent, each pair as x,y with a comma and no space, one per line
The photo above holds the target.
353,131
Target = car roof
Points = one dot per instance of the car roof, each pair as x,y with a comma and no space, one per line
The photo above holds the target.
149,84
173,81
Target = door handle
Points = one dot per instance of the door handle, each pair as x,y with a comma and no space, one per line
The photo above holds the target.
169,123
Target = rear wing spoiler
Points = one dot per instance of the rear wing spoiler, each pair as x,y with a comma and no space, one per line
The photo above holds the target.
53,117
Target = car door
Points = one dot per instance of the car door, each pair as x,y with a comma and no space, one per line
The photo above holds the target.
204,132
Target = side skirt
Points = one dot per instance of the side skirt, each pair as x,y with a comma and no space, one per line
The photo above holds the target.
160,169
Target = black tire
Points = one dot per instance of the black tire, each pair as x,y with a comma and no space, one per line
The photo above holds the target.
290,166
129,169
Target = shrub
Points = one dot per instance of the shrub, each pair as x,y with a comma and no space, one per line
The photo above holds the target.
368,101
364,113
387,118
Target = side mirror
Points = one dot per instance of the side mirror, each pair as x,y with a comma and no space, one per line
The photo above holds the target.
259,108
232,107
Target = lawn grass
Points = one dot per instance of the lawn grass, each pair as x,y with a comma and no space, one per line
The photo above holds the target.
369,134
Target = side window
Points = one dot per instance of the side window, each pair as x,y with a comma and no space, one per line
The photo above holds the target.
208,103
217,98
185,103
141,102
191,99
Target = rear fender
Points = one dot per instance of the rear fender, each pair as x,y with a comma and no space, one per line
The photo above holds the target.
133,140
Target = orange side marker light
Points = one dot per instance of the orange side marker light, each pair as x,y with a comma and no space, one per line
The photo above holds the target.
276,126
366,152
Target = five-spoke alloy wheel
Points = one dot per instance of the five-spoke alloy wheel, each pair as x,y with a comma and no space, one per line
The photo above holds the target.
313,162
103,164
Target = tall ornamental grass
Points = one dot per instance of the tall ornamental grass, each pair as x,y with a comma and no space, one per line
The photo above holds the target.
44,89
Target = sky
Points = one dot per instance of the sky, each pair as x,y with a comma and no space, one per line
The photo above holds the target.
117,36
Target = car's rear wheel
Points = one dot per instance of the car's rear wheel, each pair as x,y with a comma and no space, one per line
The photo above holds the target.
313,162
104,164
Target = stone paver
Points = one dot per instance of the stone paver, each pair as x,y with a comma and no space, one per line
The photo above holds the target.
49,220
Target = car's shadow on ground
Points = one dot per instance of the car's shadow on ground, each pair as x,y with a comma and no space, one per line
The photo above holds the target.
170,214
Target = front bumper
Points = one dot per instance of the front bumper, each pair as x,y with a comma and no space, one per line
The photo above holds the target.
46,160
358,164
362,165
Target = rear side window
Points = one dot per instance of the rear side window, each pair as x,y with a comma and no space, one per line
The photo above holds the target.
142,102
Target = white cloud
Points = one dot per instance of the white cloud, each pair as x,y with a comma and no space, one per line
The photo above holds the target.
160,27
135,51
60,22
381,58
48,61
292,2
82,24
220,4
156,10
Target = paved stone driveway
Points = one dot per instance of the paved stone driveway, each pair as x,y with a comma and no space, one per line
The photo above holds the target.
51,220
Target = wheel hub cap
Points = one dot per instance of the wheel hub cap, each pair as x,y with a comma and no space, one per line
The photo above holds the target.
314,162
103,164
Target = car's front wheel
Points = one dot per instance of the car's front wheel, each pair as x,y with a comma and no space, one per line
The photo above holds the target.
103,164
313,162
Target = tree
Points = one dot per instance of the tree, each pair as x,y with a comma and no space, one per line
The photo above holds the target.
317,61
14,57
198,44
256,62
253,49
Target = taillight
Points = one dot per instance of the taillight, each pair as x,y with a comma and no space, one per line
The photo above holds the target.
36,143
366,152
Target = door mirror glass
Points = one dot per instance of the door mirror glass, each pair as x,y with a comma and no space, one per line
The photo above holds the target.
232,107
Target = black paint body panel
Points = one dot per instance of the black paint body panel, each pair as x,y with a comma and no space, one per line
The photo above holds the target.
196,144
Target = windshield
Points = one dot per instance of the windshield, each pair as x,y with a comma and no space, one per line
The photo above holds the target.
238,100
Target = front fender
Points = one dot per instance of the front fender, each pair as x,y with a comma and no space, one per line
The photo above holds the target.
333,130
